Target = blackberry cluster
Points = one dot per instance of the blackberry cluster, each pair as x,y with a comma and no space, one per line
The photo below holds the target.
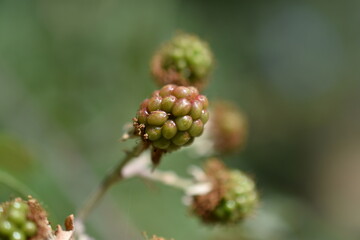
185,60
233,197
14,221
172,117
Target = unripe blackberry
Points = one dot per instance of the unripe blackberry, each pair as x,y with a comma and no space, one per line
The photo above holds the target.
172,117
229,127
185,60
233,197
22,220
226,131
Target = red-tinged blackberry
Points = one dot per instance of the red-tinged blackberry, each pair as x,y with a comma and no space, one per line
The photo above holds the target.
23,220
226,131
172,117
233,197
185,60
229,127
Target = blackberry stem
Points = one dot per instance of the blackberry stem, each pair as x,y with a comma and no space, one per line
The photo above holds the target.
168,178
109,180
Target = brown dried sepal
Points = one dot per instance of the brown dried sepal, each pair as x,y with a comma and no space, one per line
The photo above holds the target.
156,154
204,205
39,216
139,129
69,223
68,233
171,76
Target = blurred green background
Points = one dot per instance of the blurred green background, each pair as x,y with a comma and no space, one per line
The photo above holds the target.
73,72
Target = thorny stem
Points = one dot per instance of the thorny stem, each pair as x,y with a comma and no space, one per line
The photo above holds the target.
109,180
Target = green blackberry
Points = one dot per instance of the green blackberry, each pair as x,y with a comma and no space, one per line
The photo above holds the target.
185,60
233,197
22,220
172,117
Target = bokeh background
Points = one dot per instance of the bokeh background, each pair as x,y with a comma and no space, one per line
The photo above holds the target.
73,72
